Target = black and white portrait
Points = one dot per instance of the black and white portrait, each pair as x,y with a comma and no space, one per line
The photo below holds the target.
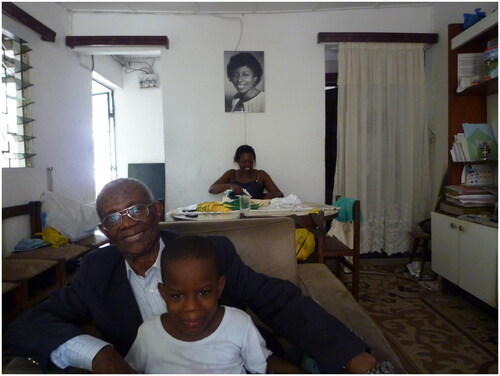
244,85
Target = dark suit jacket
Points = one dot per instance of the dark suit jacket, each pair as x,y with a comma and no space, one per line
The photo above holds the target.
101,293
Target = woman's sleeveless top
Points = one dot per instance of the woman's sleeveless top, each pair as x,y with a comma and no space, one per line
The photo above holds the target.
255,188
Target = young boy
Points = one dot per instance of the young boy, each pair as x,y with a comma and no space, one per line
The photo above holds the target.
196,335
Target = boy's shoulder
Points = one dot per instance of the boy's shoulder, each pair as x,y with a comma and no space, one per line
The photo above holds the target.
236,314
151,324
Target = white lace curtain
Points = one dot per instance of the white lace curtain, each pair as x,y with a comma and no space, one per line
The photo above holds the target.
382,145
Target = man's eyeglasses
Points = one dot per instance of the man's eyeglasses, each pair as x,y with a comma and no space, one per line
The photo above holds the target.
137,212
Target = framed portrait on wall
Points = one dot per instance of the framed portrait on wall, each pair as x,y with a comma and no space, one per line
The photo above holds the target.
244,83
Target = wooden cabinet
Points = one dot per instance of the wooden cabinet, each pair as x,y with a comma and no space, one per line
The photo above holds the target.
465,253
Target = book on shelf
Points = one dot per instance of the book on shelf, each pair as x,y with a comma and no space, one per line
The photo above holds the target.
462,146
472,200
470,70
477,175
451,208
478,136
490,59
462,189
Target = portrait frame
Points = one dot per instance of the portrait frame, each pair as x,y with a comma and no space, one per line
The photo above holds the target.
245,93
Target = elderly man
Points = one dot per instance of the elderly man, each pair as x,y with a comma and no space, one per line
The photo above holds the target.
116,288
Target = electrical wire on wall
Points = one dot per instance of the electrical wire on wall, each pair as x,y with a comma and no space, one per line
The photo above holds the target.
83,63
147,66
148,78
240,20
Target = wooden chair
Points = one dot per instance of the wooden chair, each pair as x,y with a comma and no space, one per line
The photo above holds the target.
421,239
330,247
33,209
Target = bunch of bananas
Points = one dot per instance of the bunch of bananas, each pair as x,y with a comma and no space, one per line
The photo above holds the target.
212,206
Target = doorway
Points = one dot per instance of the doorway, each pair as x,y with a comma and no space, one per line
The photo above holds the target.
331,97
103,126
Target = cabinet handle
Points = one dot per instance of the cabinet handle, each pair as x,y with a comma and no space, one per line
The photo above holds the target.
461,228
452,225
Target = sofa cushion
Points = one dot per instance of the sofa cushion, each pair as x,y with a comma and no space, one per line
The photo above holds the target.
318,282
267,245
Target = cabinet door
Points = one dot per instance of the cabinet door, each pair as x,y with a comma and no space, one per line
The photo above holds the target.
445,247
478,261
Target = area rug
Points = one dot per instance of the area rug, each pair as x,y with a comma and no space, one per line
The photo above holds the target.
432,332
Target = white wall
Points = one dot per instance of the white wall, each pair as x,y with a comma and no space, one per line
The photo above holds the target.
62,113
139,123
200,138
109,70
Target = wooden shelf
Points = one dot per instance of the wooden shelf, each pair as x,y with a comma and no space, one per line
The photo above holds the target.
484,88
487,28
487,162
471,105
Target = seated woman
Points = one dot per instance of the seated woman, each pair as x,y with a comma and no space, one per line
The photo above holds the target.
256,182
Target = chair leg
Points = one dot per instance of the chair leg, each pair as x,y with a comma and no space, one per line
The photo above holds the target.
355,276
414,249
424,254
320,247
338,268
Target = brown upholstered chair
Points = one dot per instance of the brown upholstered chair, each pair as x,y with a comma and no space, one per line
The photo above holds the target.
330,247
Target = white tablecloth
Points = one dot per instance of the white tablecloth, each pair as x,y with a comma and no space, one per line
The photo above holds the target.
305,208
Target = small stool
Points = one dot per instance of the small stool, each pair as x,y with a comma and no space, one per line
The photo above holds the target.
420,239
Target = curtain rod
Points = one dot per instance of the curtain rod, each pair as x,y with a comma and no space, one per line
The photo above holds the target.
325,37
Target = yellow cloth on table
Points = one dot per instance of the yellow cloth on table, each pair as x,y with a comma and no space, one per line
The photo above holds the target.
53,237
212,206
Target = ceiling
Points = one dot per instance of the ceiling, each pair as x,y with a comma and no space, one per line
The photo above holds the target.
235,7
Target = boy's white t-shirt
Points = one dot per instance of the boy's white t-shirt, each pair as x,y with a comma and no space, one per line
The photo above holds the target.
234,347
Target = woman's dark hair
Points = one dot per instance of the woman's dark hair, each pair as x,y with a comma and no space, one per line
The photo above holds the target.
242,150
244,59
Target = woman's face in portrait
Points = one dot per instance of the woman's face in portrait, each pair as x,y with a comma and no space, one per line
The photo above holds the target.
243,79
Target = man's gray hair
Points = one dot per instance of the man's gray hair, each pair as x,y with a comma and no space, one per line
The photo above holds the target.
125,181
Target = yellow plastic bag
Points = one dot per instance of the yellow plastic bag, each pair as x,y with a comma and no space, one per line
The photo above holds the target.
304,243
53,237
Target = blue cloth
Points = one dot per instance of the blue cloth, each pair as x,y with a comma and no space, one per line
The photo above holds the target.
29,244
346,211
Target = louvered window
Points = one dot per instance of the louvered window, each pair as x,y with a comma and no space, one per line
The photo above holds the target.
17,124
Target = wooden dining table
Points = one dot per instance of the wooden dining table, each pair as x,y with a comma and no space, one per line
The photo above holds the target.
187,212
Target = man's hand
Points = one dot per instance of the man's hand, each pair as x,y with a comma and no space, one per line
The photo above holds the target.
108,360
361,363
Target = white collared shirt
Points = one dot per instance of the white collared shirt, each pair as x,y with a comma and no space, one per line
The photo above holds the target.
80,351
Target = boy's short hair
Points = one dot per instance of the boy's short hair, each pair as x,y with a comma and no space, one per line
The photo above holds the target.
189,246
